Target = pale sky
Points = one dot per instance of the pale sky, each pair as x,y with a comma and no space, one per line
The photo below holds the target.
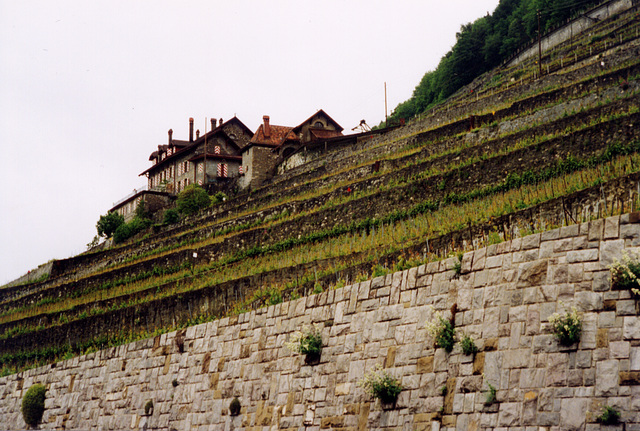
88,89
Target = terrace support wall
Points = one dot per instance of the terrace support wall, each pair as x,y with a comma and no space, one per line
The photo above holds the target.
504,296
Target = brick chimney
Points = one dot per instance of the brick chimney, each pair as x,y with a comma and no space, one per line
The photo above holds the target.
197,133
170,136
220,122
213,123
190,129
266,128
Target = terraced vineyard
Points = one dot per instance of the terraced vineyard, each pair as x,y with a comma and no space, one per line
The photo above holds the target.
518,154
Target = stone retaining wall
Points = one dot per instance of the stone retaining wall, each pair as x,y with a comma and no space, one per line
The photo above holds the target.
504,296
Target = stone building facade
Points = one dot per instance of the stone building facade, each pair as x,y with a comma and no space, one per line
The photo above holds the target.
153,201
503,296
217,152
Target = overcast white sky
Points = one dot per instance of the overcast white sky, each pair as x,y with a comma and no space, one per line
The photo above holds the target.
88,89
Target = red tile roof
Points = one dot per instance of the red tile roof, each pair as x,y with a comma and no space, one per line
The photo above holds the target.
276,136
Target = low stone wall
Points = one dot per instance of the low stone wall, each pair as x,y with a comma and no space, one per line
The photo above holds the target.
42,271
503,295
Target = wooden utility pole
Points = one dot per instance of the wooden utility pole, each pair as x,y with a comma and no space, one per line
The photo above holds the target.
386,117
539,46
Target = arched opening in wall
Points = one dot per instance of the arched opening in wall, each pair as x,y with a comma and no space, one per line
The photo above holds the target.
288,152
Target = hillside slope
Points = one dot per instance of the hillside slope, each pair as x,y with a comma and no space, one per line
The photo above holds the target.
514,156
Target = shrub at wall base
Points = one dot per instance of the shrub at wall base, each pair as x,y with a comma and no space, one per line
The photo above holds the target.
33,405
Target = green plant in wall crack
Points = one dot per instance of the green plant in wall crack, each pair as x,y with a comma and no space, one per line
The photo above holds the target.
33,405
442,331
625,274
234,407
609,416
307,342
148,408
468,345
457,266
567,326
381,385
490,395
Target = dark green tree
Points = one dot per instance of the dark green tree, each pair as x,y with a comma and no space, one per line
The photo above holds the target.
108,223
171,216
192,199
483,45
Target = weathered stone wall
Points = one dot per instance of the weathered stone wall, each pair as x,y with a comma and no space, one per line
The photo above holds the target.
504,297
258,163
35,274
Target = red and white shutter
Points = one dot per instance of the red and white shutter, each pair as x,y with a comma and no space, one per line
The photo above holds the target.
219,169
224,170
217,149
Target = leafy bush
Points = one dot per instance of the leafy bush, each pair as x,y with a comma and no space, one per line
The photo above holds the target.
192,199
142,211
234,407
171,216
127,230
33,405
468,345
381,385
625,273
442,331
566,327
107,224
218,198
609,416
307,342
148,408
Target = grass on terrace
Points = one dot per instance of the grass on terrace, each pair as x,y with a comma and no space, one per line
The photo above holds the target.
343,246
220,234
389,183
383,239
392,233
387,177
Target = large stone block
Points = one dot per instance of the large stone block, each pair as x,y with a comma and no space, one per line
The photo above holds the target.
532,273
631,328
588,301
607,378
611,250
573,413
509,414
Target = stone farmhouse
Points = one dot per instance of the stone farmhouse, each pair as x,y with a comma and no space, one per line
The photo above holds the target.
228,157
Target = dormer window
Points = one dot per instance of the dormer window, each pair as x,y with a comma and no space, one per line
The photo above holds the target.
233,136
318,125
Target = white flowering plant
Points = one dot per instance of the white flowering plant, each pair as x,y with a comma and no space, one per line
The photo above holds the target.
625,273
442,331
567,326
307,342
381,385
